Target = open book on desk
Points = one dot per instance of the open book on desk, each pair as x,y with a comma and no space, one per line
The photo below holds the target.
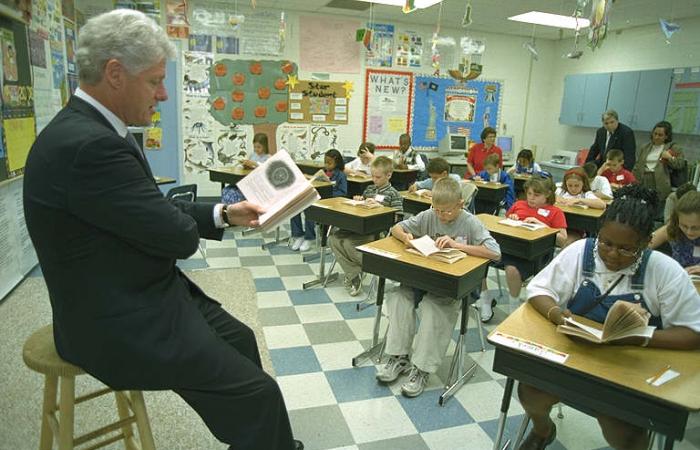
624,319
426,246
522,224
320,175
423,193
279,186
363,203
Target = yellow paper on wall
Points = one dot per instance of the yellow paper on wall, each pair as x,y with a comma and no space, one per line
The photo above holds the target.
19,137
397,124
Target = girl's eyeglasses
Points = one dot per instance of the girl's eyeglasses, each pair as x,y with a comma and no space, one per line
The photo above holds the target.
607,247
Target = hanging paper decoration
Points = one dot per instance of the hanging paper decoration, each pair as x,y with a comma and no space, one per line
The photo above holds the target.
348,86
668,29
600,14
469,62
580,5
467,19
409,6
530,47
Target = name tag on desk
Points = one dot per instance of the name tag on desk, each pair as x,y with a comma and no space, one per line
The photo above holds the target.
696,252
543,212
379,198
620,177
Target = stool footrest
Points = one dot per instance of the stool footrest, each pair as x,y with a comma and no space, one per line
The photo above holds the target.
106,442
92,395
104,430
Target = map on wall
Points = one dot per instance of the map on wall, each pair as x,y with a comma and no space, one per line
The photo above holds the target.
683,111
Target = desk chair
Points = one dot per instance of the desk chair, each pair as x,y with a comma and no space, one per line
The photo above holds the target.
422,175
186,192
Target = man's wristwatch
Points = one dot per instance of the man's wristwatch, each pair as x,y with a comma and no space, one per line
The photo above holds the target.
224,216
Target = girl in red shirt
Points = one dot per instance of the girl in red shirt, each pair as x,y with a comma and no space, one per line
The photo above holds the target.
479,152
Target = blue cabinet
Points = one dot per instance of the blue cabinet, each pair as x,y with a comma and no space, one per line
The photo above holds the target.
584,99
622,96
640,97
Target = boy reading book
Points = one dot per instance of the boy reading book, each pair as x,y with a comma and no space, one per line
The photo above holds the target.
451,227
589,276
437,169
343,243
427,247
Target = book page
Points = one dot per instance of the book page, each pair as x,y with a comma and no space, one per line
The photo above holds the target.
624,317
423,192
520,223
590,330
425,245
320,176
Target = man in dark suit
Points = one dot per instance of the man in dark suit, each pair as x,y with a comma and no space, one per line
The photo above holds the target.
613,134
107,241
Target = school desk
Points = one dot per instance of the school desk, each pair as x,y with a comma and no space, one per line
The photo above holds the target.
599,379
401,179
310,167
415,204
357,184
332,212
519,180
164,180
228,175
388,258
489,196
585,219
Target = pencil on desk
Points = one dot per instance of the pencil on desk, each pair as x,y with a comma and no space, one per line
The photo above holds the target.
658,374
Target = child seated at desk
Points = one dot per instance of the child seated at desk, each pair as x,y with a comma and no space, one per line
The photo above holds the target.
600,186
525,164
451,227
682,232
303,236
614,170
575,190
343,242
361,166
438,169
672,199
261,153
538,208
406,157
492,172
619,263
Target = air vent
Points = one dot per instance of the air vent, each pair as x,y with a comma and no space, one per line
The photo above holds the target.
353,5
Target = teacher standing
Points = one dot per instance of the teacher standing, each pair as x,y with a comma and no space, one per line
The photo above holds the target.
478,152
613,134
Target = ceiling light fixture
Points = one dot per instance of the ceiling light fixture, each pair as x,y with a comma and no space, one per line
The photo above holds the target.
421,4
551,20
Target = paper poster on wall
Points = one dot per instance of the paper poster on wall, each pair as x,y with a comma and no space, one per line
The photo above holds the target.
71,64
318,102
251,92
200,43
323,138
196,77
387,107
443,105
177,25
228,45
409,49
260,34
295,139
683,111
328,45
382,51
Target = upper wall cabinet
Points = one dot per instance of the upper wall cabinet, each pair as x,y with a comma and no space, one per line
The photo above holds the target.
584,100
640,97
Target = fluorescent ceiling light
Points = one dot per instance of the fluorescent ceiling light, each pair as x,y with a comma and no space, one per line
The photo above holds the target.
419,3
551,20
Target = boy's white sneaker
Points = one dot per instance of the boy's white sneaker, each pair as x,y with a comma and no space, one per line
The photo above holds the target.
296,244
486,309
395,366
306,245
417,380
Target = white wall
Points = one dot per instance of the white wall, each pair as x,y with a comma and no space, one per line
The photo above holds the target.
639,48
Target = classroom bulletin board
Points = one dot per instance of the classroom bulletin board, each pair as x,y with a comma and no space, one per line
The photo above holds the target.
443,105
387,107
322,102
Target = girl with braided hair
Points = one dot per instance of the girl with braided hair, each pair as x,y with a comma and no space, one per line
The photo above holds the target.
589,276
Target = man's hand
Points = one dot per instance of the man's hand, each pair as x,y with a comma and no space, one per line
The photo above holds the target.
244,213
444,242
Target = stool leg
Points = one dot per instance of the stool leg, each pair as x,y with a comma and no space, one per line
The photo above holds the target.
50,390
66,407
142,422
123,409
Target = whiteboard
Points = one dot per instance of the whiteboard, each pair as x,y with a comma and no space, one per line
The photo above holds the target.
17,255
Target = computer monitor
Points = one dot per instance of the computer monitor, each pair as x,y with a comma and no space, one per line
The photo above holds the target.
453,143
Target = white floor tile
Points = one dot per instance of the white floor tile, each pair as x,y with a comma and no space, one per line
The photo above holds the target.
578,431
376,419
325,312
337,355
252,251
483,400
296,283
306,390
362,328
465,437
228,243
222,263
285,336
287,259
264,271
273,299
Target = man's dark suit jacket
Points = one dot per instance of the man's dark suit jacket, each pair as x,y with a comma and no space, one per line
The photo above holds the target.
107,241
621,139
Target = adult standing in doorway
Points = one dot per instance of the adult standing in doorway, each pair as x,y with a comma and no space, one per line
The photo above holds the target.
107,241
613,134
478,152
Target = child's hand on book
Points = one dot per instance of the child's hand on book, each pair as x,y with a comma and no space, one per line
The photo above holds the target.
514,217
556,315
412,188
444,242
248,164
532,220
358,198
244,213
371,201
407,238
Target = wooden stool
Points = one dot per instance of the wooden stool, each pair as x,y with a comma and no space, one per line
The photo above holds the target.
40,355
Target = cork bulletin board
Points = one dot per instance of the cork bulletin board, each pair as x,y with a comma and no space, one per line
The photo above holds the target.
322,102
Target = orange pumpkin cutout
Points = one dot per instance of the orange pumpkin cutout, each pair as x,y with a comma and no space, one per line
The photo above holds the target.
263,93
219,104
256,68
238,78
220,70
287,67
237,96
281,106
260,111
237,114
280,84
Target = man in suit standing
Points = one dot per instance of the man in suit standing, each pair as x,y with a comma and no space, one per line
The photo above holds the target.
613,134
107,241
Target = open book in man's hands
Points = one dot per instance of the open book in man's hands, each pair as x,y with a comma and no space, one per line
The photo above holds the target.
279,186
426,246
624,319
522,224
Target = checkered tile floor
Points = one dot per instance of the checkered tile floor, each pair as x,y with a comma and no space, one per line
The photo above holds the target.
313,335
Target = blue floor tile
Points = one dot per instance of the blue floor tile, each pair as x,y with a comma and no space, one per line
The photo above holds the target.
309,297
295,360
36,272
245,242
355,384
427,415
472,337
192,264
269,284
282,249
349,310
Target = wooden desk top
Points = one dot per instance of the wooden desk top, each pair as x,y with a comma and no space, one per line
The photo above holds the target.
588,212
359,179
311,163
416,198
491,224
697,286
488,184
405,170
164,180
337,204
232,170
395,247
627,366
520,176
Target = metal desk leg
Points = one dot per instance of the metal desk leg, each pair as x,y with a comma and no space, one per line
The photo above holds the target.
505,404
322,279
479,327
521,432
377,347
367,302
319,244
668,445
277,240
458,376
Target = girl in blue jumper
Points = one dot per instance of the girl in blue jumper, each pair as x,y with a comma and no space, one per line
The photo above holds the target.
683,233
492,172
303,236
